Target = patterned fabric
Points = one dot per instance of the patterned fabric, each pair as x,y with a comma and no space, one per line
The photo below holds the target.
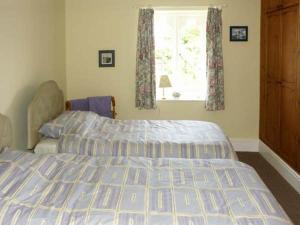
71,189
215,99
145,68
68,122
147,138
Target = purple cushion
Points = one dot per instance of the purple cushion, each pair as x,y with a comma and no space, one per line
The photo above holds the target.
80,105
101,105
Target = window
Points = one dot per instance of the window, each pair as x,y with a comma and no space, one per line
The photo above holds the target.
180,39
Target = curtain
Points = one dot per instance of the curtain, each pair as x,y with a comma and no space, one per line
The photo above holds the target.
145,68
215,71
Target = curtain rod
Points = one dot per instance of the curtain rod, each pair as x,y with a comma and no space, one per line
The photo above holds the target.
222,6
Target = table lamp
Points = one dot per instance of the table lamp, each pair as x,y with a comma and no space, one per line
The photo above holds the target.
164,83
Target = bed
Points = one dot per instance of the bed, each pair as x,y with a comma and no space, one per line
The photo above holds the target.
74,189
48,104
145,138
79,189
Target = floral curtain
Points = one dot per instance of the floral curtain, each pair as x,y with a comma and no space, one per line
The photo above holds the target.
215,72
145,68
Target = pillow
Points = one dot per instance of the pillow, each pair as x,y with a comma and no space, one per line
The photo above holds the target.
53,129
69,121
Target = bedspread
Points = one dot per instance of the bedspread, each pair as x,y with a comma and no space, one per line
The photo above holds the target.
149,138
75,189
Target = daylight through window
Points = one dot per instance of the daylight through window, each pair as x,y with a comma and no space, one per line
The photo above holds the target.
180,39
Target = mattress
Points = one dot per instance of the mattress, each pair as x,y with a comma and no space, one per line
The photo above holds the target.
74,189
46,146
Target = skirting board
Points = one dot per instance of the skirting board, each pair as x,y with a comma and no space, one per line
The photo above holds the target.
282,167
245,145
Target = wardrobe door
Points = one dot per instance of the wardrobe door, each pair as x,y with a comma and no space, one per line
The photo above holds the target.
262,120
289,47
272,4
298,99
288,128
278,4
273,45
286,3
272,132
288,106
272,87
298,161
298,168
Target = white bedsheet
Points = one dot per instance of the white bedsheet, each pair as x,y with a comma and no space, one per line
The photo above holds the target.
47,146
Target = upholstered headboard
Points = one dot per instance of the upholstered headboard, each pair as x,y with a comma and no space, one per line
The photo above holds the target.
5,132
47,104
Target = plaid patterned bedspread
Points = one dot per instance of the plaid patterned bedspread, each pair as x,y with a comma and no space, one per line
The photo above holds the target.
75,189
148,138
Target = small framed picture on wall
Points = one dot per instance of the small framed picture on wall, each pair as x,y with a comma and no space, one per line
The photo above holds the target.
107,58
239,33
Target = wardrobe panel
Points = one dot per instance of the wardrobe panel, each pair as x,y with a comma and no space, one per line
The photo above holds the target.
272,133
288,127
262,120
272,4
286,3
289,45
273,44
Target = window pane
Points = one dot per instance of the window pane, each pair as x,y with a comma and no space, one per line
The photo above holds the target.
181,52
165,36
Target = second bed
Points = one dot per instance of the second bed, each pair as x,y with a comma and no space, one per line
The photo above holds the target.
89,134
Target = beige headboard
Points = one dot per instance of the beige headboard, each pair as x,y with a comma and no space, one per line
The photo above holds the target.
5,132
47,104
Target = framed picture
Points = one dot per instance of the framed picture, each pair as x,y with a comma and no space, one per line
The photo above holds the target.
107,58
238,33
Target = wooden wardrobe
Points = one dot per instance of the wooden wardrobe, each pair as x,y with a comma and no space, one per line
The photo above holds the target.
280,79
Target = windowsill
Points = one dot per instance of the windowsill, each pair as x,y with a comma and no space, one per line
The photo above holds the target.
179,100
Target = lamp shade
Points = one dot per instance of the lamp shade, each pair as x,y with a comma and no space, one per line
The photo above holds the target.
164,82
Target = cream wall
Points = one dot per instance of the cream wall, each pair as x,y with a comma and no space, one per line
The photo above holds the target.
92,25
32,43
